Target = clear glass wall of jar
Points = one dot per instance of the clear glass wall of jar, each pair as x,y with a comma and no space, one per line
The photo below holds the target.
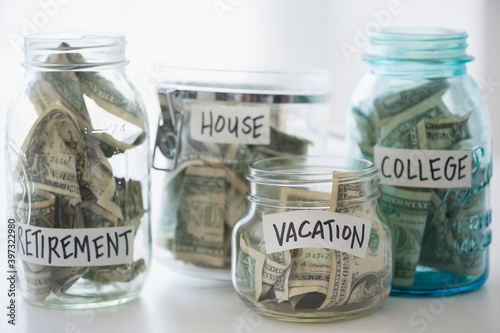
78,165
423,120
213,124
288,260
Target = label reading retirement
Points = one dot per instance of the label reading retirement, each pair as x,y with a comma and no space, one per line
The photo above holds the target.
424,168
316,229
230,124
75,247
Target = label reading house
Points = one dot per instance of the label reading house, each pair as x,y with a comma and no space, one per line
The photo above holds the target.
230,124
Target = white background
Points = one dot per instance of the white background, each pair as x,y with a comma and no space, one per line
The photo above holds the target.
251,34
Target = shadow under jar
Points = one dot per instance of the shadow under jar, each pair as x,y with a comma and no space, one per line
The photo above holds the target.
312,247
424,122
78,164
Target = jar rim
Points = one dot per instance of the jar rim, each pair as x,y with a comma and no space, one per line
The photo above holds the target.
315,169
74,51
421,51
422,34
312,82
51,40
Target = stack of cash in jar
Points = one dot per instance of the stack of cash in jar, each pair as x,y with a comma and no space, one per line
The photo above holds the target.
67,158
206,193
318,279
424,221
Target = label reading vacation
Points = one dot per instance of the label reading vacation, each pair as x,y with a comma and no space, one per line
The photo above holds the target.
75,247
316,229
230,124
424,168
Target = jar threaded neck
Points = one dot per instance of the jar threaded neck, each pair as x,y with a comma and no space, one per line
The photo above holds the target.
307,181
76,51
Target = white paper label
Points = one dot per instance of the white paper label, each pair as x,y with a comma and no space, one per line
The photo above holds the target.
424,168
75,247
230,124
316,229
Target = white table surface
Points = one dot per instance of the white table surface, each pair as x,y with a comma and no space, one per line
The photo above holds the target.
171,302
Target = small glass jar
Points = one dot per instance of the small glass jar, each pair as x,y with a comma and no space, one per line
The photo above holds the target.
213,123
78,171
311,246
424,122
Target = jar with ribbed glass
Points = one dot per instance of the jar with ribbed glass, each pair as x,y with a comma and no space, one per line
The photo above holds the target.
78,174
422,119
312,246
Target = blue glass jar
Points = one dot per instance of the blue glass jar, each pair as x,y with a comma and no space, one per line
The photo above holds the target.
424,122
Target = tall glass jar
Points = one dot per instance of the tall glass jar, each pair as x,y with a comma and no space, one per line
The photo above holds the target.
311,246
422,119
213,123
78,166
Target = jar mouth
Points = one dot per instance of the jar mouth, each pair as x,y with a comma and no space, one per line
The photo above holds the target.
298,182
290,170
422,34
418,47
74,50
313,83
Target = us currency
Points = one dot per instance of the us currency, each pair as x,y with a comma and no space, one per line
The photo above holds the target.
236,191
191,149
101,182
353,279
364,133
391,105
407,211
393,132
117,273
41,213
64,277
311,273
249,267
58,86
199,233
444,133
276,275
88,214
55,153
170,203
128,196
283,144
105,93
111,99
238,157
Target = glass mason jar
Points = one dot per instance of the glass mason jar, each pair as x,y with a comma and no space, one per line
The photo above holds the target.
78,173
423,120
311,246
213,123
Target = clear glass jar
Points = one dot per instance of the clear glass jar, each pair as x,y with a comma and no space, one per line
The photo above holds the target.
78,170
423,120
213,124
289,258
